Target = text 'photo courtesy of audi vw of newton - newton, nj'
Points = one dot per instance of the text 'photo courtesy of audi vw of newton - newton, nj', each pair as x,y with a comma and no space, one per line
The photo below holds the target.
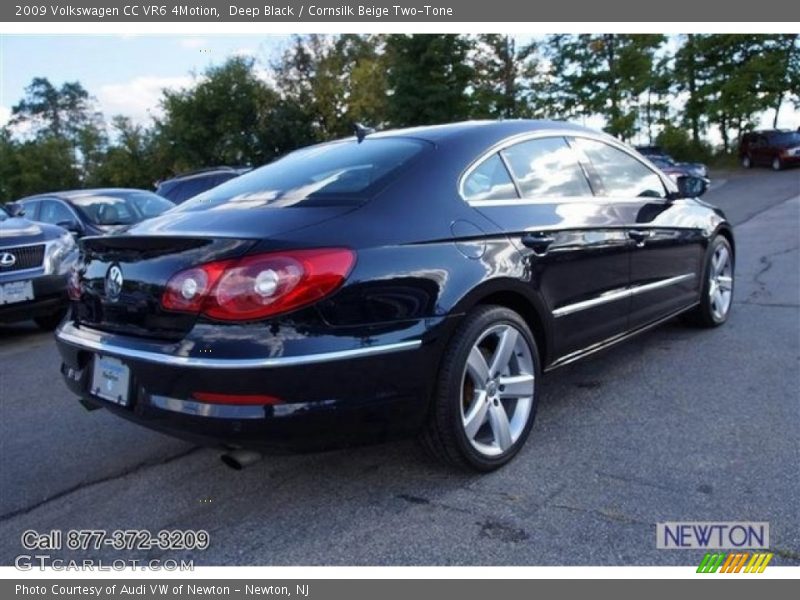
414,282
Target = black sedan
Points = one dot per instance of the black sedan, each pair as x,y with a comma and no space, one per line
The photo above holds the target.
96,211
34,262
411,282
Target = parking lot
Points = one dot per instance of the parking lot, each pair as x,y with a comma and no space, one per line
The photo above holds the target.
679,424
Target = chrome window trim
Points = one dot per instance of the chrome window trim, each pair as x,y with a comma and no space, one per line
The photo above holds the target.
66,334
620,294
564,133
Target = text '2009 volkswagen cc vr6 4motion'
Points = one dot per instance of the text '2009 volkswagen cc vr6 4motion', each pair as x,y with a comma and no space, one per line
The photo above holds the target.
411,282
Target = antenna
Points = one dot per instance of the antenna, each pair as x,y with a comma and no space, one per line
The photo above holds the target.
362,131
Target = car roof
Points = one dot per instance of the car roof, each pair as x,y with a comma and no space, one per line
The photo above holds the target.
473,136
768,131
206,172
496,130
69,194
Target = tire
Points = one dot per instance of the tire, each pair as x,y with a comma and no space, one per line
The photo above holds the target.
747,162
777,163
714,309
487,334
49,322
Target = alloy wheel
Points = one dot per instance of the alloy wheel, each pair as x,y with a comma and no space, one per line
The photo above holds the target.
720,289
497,390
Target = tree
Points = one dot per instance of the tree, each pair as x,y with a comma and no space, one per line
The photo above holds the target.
54,112
507,81
66,113
780,65
731,78
687,71
604,74
658,97
34,166
217,121
132,161
328,84
428,77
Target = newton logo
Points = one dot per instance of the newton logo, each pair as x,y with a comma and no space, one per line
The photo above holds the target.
712,535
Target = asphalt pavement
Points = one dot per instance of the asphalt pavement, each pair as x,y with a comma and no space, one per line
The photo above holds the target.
677,425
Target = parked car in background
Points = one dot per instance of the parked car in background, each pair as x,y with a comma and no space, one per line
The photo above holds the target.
776,148
676,170
405,282
671,166
180,188
94,212
35,259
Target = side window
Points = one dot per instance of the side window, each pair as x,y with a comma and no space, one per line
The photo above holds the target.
31,209
55,212
546,167
490,181
620,173
189,188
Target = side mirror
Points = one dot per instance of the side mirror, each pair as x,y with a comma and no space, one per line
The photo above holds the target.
72,226
690,186
15,209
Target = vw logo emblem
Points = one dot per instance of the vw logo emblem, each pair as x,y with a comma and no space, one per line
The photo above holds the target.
113,282
7,259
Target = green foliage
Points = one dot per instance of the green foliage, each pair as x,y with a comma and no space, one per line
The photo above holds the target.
215,122
730,78
507,81
132,161
35,166
678,143
604,74
427,79
326,85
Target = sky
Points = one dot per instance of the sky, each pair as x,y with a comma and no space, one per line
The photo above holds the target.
126,73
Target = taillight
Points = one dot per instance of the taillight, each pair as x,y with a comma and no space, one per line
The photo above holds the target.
188,290
74,284
258,286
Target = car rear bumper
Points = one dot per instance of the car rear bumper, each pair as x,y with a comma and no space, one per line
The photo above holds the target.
50,296
361,392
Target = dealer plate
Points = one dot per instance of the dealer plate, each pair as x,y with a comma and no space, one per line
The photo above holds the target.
111,380
16,291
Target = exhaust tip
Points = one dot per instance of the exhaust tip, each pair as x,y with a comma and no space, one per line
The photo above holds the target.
240,459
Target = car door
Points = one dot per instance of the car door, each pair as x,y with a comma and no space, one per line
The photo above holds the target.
666,246
572,242
760,152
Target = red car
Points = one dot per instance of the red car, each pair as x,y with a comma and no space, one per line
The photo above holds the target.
777,148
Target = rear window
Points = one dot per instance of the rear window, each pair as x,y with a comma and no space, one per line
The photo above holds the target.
120,208
330,174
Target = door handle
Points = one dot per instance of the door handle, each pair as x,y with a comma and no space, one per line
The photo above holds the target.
538,242
638,236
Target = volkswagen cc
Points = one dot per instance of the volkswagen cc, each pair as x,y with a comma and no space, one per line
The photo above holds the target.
414,282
